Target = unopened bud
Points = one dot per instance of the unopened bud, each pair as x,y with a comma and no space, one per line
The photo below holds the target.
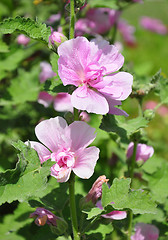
149,114
55,39
60,228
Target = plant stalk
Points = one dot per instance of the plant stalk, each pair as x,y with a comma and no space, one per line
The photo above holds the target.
73,207
72,19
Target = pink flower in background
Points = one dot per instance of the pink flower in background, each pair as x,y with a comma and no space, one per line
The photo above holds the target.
144,152
162,110
153,25
44,216
23,40
114,215
97,21
46,72
91,67
127,32
84,116
53,18
67,147
62,101
145,232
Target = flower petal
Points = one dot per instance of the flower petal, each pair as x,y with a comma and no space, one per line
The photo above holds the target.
73,59
62,102
51,132
81,135
62,176
45,99
86,161
43,152
110,58
114,110
120,80
92,102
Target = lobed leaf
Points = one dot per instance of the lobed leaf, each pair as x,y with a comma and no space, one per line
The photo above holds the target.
121,197
27,179
33,29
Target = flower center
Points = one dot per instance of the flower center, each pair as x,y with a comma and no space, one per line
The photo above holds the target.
64,158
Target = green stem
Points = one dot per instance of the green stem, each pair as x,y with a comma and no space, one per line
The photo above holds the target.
73,207
72,19
130,218
114,33
76,115
90,225
133,161
131,175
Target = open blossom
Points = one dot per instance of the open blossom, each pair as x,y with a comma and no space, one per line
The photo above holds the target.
91,67
143,153
114,215
23,40
68,147
97,21
46,71
145,232
153,25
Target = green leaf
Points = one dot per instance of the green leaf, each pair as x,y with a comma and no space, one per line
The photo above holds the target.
54,86
121,197
100,229
163,89
123,128
93,212
33,29
27,179
158,182
25,87
3,47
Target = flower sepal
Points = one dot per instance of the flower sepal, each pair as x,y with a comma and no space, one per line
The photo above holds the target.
60,228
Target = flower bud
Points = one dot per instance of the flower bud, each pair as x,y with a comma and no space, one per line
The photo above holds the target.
94,193
149,114
23,40
55,39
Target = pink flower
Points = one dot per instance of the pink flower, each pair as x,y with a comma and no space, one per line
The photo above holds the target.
84,117
114,215
56,38
127,32
96,190
144,152
67,147
145,232
153,25
46,72
23,40
44,216
91,67
54,17
97,21
62,101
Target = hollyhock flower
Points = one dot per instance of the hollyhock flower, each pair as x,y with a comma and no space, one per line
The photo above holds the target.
46,71
53,18
127,32
145,232
114,215
143,153
91,67
97,21
62,101
84,117
96,190
153,25
67,147
56,38
23,40
44,216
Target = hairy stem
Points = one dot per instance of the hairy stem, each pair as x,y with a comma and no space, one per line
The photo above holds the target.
73,207
72,19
